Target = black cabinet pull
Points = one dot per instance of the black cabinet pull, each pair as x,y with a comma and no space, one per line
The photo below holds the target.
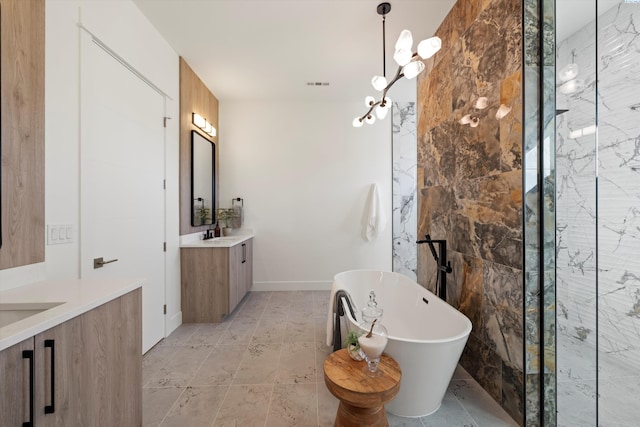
50,409
28,354
244,253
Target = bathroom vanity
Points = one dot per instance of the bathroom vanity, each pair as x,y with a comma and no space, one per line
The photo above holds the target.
215,275
71,354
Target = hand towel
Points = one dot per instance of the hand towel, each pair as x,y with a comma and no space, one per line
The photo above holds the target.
374,218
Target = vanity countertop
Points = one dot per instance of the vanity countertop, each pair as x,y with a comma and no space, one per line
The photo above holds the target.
217,242
76,296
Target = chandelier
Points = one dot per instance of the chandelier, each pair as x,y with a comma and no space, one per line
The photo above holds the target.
409,66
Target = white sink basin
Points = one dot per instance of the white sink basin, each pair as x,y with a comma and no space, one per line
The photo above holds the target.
13,312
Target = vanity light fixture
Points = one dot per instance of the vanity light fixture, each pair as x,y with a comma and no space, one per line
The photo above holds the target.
203,124
409,66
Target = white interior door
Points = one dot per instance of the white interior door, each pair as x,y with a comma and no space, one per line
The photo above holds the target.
122,175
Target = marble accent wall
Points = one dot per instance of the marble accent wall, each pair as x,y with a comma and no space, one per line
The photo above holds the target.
405,210
470,186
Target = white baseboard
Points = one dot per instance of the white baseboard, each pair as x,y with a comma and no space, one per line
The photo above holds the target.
172,323
291,286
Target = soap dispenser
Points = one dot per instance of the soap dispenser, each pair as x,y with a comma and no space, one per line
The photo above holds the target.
216,231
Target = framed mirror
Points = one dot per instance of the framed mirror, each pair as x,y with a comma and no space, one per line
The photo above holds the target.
203,176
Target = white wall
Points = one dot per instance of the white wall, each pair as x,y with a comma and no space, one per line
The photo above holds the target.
304,173
122,27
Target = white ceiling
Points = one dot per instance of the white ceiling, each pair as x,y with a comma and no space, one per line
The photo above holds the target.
270,49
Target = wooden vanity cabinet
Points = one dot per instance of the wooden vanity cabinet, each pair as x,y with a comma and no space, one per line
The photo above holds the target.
15,372
214,280
87,371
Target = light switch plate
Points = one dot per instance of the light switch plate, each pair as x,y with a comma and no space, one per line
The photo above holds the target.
58,234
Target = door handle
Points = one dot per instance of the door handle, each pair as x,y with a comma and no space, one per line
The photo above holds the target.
99,262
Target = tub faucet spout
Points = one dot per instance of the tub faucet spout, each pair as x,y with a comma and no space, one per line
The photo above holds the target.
444,266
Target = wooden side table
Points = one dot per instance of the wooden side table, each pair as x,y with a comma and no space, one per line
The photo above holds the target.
362,398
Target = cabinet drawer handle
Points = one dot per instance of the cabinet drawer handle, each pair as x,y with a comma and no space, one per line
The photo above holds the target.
50,409
28,354
244,253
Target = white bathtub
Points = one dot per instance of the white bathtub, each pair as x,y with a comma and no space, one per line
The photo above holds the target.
426,339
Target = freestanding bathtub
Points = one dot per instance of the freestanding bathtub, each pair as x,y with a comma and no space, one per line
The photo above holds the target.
426,335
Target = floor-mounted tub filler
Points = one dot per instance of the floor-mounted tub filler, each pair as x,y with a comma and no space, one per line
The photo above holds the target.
426,335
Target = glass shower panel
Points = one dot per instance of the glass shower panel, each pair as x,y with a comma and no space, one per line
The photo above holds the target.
576,160
618,43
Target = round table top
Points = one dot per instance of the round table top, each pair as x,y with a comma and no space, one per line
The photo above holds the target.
345,379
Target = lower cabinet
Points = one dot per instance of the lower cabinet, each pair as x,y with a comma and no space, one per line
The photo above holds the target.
214,280
86,371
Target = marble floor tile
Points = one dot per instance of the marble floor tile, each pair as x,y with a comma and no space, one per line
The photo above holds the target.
180,335
450,414
197,406
299,329
156,403
322,351
480,405
327,405
320,328
179,371
237,335
155,359
396,421
221,365
263,365
245,405
269,331
293,405
207,334
297,363
259,364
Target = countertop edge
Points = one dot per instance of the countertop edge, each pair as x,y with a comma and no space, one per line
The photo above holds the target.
26,328
222,244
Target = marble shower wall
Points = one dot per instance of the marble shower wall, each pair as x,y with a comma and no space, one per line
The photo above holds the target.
405,211
598,223
470,186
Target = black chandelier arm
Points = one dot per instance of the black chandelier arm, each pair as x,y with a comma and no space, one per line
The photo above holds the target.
374,105
398,76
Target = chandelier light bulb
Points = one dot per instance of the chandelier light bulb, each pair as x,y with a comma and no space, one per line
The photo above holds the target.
369,101
357,122
402,56
475,121
412,69
503,110
570,86
370,119
481,103
381,111
428,47
405,40
567,73
379,83
465,120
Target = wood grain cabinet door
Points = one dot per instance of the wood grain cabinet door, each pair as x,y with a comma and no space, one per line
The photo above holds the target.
91,367
16,387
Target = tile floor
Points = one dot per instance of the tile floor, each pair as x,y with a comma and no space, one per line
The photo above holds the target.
262,366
